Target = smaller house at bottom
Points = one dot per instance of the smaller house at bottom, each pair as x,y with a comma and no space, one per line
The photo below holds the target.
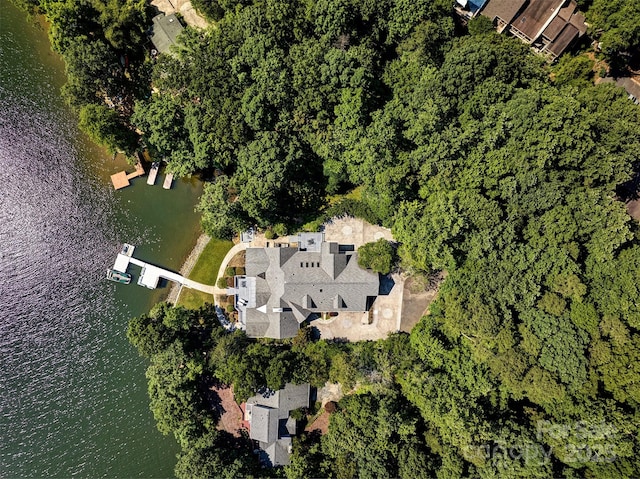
270,423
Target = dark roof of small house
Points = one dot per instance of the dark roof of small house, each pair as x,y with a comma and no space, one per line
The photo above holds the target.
531,20
578,20
270,421
505,9
566,11
631,86
560,44
166,29
554,28
292,396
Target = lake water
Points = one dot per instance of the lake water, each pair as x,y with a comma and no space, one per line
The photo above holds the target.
73,398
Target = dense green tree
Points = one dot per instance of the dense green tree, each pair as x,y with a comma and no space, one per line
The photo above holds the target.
162,120
123,21
215,454
617,23
277,178
222,215
378,256
575,71
369,435
104,126
93,72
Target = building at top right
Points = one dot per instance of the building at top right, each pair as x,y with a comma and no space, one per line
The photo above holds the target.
549,26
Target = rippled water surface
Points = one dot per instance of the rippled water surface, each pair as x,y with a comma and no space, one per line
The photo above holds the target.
72,390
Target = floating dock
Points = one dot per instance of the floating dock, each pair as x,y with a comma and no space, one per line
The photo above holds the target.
150,274
153,172
121,180
167,181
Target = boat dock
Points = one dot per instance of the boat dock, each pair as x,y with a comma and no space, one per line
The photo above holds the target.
150,274
153,172
121,180
167,181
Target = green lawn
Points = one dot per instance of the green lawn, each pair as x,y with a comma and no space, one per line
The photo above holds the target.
206,268
193,299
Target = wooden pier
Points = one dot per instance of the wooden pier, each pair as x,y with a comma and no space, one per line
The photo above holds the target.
167,181
150,274
121,180
153,172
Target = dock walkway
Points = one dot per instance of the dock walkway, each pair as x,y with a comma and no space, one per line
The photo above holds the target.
150,274
121,180
168,180
153,172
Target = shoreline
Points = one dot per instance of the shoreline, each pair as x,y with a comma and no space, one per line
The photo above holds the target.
187,266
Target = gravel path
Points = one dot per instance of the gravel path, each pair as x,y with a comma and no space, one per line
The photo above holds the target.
188,265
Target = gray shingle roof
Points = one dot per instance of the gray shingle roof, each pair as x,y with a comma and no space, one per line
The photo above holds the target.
278,451
264,423
166,29
270,423
291,284
293,396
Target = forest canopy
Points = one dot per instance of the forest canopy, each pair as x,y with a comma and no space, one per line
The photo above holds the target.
483,167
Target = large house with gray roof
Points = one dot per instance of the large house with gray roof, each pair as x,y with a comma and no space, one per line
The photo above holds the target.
269,421
284,286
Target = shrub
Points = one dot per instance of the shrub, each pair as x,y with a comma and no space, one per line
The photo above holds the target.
222,283
230,271
480,26
331,407
351,207
280,229
297,414
378,256
269,234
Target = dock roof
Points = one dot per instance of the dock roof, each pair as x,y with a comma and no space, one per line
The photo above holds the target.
120,180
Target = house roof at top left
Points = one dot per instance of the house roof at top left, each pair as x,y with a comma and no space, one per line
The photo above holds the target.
166,29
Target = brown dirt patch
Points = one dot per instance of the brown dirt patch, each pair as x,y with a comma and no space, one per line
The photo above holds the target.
320,424
230,413
418,295
633,208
